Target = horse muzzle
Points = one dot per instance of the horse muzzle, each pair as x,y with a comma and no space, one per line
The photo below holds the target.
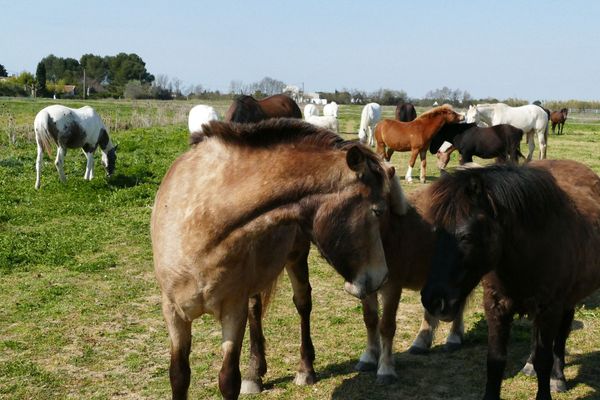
364,286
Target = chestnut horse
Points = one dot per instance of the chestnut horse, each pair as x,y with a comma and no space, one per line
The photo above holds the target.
235,209
499,141
405,112
414,136
408,245
248,109
559,118
500,223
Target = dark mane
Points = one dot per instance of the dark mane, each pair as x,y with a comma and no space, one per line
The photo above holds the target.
524,195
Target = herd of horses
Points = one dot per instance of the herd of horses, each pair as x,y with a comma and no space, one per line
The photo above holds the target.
220,238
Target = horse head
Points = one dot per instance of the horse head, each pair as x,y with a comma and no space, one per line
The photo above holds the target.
109,160
472,115
467,241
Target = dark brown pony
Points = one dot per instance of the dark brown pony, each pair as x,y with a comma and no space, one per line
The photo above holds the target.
405,112
236,208
408,244
559,118
248,109
533,234
414,136
499,141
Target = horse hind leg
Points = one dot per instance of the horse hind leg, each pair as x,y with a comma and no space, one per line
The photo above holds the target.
257,368
89,166
531,146
423,173
61,152
38,165
233,323
180,334
558,382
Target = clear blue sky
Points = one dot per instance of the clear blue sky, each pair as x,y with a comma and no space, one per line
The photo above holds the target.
511,48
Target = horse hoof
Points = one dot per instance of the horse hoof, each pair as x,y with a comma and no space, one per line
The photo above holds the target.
452,347
362,366
305,378
423,181
528,369
558,385
419,351
386,379
251,387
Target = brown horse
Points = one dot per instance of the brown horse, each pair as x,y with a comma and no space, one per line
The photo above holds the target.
405,112
408,245
248,109
233,210
500,223
559,118
414,136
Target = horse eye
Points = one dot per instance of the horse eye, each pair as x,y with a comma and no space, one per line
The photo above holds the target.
377,211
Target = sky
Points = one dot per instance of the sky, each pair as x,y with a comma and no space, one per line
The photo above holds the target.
527,49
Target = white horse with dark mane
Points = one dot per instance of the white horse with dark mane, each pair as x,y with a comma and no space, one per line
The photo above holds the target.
324,121
331,109
199,115
72,128
530,118
310,110
371,114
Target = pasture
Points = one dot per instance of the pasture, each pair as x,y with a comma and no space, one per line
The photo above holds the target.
80,307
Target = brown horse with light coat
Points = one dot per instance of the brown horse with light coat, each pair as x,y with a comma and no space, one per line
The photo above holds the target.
248,109
236,208
559,118
414,136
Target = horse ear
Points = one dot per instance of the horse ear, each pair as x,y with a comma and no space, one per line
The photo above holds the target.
356,159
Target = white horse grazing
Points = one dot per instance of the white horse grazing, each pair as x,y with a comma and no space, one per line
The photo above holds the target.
324,121
371,114
71,129
200,115
530,118
331,109
310,110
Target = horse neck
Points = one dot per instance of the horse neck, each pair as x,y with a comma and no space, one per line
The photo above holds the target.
436,124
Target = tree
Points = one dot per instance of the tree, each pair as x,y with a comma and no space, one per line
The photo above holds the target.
40,77
3,71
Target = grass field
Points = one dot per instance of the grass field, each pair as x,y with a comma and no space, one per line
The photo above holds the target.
80,314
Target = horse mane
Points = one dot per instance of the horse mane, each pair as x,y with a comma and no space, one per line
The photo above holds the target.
434,112
275,131
512,194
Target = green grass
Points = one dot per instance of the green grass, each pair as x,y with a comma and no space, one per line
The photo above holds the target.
80,315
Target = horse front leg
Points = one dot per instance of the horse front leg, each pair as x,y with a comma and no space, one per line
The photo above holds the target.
369,358
61,152
558,382
257,367
233,324
531,146
38,165
542,143
424,339
411,164
499,320
297,270
390,297
546,328
423,174
89,166
457,331
180,334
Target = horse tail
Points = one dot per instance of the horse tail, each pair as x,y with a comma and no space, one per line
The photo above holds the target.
267,294
41,124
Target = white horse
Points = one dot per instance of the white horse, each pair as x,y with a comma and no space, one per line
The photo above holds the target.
324,121
72,128
530,118
200,115
371,114
310,110
331,109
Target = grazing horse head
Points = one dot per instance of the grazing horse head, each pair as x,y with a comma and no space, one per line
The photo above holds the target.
109,160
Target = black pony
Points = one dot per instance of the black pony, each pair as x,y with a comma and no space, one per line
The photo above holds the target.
405,112
499,141
533,234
